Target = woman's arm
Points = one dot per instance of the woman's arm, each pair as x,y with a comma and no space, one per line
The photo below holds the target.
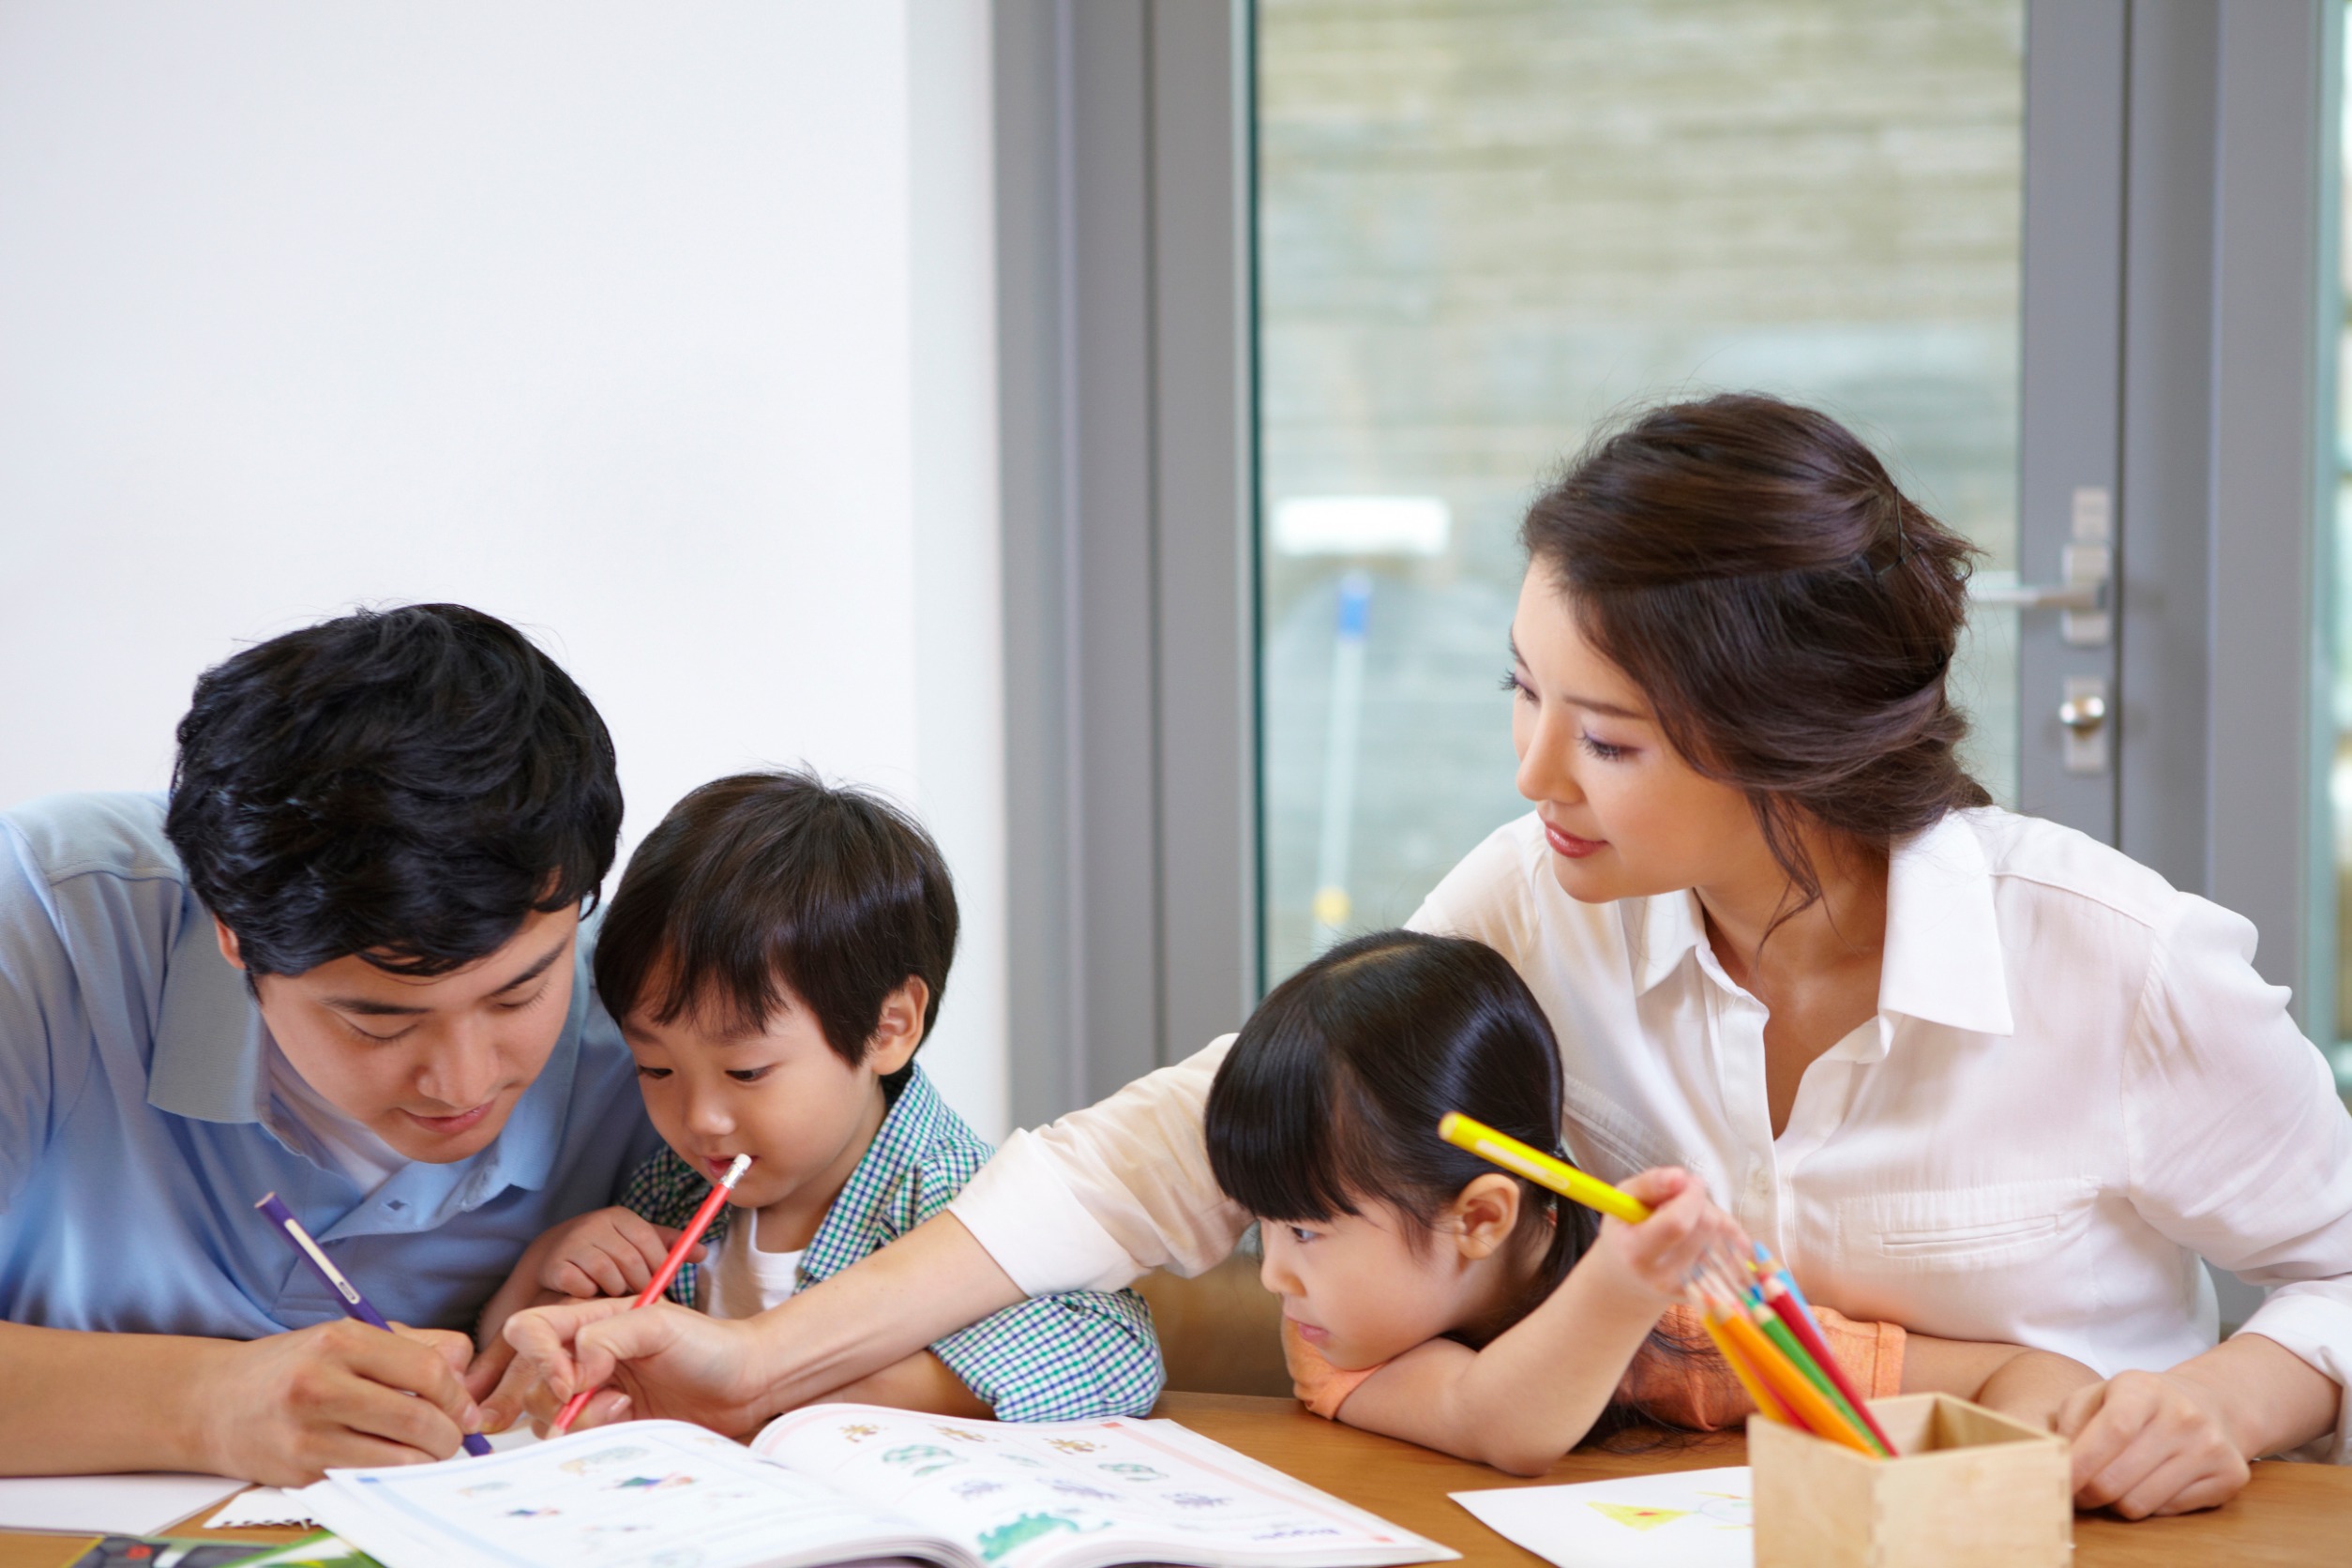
734,1375
1087,1203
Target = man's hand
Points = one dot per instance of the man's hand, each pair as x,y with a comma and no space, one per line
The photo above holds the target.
661,1360
282,1410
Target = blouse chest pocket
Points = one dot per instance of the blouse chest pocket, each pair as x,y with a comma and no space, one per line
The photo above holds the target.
1964,1229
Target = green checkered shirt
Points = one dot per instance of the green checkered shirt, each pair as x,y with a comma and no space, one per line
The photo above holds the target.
1068,1357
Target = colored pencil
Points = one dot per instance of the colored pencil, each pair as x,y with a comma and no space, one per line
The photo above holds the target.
1776,1330
1780,1292
668,1272
1501,1148
1766,1401
1814,1412
346,1295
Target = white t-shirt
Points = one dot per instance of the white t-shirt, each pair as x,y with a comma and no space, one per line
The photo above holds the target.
2075,1084
743,1281
352,1148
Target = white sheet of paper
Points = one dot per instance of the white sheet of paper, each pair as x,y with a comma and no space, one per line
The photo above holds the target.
1682,1519
119,1504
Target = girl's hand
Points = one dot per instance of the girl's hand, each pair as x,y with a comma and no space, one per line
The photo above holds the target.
605,1252
1653,1259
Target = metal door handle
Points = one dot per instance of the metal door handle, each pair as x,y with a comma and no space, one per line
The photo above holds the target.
2084,597
2083,714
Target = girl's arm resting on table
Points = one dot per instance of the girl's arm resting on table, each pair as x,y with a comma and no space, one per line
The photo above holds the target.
1534,1391
279,1411
1528,1397
733,1377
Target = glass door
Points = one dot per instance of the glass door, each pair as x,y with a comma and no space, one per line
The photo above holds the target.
1488,228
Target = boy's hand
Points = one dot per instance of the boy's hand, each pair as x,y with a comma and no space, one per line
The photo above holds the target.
1655,1259
605,1252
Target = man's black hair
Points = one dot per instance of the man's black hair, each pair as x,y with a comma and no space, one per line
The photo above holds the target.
767,886
408,785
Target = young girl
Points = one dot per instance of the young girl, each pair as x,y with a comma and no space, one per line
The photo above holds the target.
1431,1297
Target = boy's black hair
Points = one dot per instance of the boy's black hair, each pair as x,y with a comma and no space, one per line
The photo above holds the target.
1331,1096
408,785
765,886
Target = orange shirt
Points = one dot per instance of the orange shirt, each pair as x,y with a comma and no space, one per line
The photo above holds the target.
1696,1391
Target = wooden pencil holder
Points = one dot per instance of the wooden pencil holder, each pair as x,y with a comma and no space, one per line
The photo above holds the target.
1970,1487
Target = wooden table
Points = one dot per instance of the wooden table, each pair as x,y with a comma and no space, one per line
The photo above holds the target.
2290,1514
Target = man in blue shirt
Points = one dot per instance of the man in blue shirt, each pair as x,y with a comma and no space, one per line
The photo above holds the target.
343,961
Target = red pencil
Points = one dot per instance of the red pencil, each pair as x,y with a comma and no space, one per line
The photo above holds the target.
669,1270
1808,1333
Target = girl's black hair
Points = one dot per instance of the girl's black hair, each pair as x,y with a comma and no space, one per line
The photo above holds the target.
1332,1094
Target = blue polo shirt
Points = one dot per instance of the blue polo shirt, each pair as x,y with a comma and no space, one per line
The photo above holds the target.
137,1129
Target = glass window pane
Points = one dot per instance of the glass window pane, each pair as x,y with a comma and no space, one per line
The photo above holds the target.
1485,226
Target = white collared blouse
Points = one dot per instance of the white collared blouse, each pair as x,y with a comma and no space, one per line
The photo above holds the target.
2074,1086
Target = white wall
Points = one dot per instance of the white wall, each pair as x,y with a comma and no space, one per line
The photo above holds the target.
601,318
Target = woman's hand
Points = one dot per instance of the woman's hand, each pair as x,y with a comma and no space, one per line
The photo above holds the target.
1656,1257
2150,1443
661,1360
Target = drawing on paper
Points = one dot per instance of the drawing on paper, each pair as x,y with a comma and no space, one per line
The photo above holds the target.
1135,1472
859,1431
652,1483
960,1434
1638,1518
1074,1445
921,1458
601,1457
995,1544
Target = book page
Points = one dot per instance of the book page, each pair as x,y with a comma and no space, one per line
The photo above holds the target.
647,1494
1116,1490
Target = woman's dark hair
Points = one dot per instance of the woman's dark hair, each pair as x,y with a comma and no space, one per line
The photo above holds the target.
407,785
765,885
1789,613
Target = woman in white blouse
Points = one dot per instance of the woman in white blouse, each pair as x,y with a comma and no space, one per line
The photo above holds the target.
1963,1070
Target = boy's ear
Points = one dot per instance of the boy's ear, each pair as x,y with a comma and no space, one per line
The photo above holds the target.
1484,1214
228,941
900,1028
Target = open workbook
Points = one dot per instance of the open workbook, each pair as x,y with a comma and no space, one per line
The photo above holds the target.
846,1483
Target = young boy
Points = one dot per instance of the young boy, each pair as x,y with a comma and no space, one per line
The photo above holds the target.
774,956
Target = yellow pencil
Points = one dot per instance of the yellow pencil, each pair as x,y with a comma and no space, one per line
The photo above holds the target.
1767,1403
1562,1178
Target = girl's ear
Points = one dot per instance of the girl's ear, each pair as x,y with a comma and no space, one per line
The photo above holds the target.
1482,1216
900,1028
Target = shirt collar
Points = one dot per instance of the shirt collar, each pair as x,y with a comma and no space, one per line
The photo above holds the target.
1668,927
846,1234
207,1061
1942,962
